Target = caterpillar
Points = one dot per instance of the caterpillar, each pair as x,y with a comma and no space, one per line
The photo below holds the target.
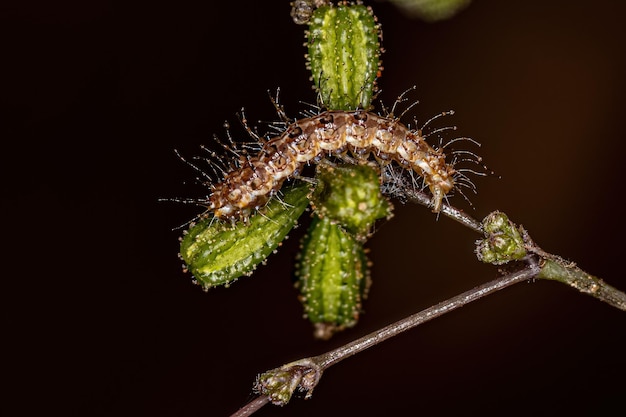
357,134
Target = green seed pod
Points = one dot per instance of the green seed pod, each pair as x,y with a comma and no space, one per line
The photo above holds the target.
217,253
333,277
344,55
503,242
350,196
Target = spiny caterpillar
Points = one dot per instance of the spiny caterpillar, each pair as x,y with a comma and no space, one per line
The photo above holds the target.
373,152
358,134
361,158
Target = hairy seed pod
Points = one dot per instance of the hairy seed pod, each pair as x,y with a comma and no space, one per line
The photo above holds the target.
333,277
344,55
350,196
217,252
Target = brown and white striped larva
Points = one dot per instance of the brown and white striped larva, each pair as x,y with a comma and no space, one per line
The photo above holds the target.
359,134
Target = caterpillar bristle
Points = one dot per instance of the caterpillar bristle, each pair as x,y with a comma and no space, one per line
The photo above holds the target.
248,173
437,132
280,110
435,117
193,166
462,180
252,133
460,139
401,99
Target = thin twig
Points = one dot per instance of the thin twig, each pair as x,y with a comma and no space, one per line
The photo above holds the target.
397,186
303,375
553,267
278,385
252,407
575,277
330,358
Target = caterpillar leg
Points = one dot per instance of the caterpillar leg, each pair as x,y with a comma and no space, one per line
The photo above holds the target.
439,190
437,200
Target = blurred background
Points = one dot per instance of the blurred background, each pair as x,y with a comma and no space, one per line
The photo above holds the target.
98,317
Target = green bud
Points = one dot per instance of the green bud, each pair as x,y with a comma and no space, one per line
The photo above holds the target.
503,242
279,384
217,252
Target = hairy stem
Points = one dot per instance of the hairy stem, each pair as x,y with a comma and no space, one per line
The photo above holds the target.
575,277
406,191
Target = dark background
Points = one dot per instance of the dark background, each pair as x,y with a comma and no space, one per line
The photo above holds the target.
98,317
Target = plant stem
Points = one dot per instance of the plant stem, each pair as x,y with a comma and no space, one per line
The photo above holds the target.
552,266
575,277
406,191
328,359
278,385
252,407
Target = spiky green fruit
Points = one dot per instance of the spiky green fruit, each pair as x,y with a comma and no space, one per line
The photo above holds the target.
350,196
333,277
217,252
344,55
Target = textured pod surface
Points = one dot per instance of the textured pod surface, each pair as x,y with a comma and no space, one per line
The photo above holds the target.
333,277
350,196
344,55
217,253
